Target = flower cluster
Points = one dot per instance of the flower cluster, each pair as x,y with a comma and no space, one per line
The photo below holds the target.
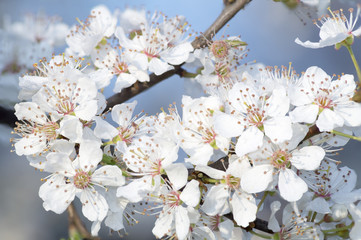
248,137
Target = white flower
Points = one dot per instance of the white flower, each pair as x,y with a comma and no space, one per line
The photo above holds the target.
154,51
60,98
130,19
79,178
40,28
83,38
329,101
251,116
37,130
329,185
227,195
173,214
149,159
129,129
199,139
278,162
115,63
335,29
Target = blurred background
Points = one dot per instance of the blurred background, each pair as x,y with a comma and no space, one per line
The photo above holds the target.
268,27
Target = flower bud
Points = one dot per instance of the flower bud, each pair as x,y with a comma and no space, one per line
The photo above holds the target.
339,212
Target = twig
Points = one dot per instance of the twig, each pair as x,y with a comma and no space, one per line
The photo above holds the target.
228,12
76,224
7,116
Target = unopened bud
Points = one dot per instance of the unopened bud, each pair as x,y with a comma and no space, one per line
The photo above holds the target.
339,212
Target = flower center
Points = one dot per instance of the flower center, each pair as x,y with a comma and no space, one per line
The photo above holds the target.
281,159
232,182
220,49
324,102
120,67
48,129
82,179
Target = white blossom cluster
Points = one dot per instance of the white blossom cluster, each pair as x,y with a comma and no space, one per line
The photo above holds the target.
22,44
245,140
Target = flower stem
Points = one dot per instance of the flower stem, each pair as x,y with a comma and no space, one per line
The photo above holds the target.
209,180
338,229
260,235
262,200
357,67
346,135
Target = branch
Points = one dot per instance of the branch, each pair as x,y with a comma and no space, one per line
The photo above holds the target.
7,116
227,13
76,225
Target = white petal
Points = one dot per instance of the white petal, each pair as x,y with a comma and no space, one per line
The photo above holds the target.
257,178
59,162
278,129
158,66
95,206
122,113
306,114
191,194
71,128
227,125
87,110
90,155
135,191
215,200
211,172
250,140
56,194
291,186
350,113
181,222
115,221
108,176
329,120
163,224
244,208
279,103
177,54
308,158
177,174
103,129
319,205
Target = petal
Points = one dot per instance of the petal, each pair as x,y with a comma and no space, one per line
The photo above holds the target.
56,194
159,67
319,205
272,222
87,110
244,208
250,140
108,176
307,158
122,113
350,113
279,103
257,178
177,174
90,154
95,206
278,129
136,190
211,172
181,222
163,224
329,120
291,186
71,128
59,162
227,125
115,221
177,54
103,129
191,194
215,200
306,113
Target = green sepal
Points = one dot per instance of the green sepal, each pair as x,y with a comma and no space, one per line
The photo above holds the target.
108,160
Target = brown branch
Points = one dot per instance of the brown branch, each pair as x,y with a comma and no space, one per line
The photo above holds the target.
7,116
227,13
76,225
